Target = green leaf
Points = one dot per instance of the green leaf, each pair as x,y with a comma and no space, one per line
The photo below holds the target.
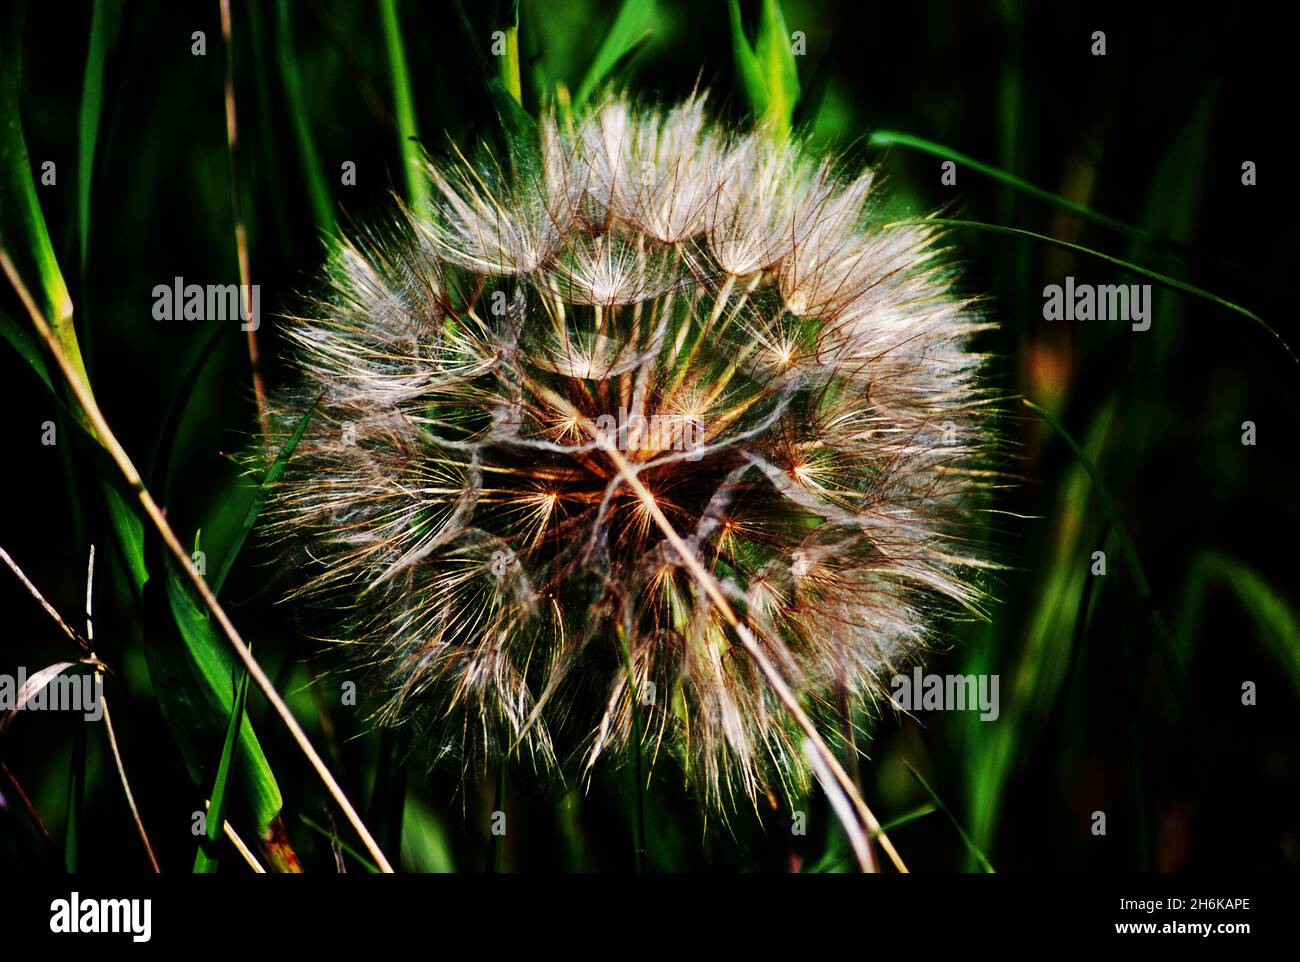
631,29
192,678
205,858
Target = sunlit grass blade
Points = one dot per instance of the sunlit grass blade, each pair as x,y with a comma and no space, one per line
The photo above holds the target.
631,30
408,132
766,70
508,62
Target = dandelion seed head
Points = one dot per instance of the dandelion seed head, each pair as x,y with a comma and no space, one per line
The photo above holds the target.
645,319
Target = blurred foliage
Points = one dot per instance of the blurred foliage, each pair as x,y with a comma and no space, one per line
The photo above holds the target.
1120,693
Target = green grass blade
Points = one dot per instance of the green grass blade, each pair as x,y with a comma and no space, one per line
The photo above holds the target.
748,72
206,856
508,64
631,29
1103,493
1277,620
22,226
259,499
776,61
833,860
766,71
313,174
1163,279
27,349
934,796
361,858
892,138
105,21
417,187
192,677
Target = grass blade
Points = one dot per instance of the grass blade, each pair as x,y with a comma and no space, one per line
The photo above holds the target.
205,858
193,678
748,73
1163,279
934,797
313,174
776,61
1279,625
417,190
766,71
20,212
894,138
105,21
631,29
259,499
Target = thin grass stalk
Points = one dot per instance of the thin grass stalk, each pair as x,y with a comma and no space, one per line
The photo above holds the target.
128,470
